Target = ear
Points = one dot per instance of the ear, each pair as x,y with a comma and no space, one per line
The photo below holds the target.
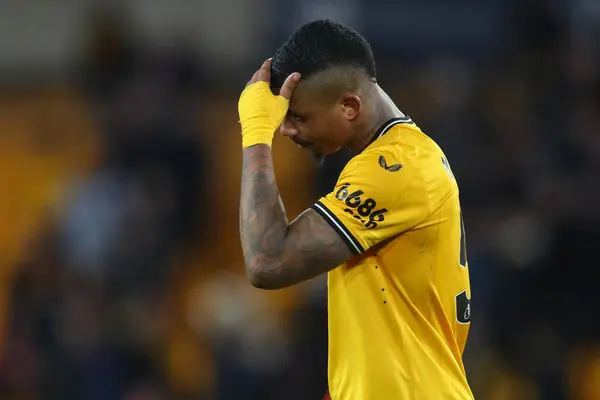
351,105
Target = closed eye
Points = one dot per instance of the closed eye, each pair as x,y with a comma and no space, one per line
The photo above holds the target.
295,117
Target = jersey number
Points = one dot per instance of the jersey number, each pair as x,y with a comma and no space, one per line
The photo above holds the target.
463,243
463,303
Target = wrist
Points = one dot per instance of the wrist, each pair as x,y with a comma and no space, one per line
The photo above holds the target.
256,131
249,141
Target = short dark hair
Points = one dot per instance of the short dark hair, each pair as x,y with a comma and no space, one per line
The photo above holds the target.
320,45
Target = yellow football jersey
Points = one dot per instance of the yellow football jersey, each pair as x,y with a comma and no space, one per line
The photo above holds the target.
399,311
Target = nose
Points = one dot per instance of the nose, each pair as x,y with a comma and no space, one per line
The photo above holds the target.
287,128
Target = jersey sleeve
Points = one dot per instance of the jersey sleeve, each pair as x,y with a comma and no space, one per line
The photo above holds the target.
377,196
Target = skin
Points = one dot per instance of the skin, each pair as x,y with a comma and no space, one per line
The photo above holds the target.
323,118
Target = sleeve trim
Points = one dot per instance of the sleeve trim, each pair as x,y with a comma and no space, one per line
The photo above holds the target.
339,227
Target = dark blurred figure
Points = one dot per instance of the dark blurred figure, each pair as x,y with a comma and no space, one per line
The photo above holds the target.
110,52
90,311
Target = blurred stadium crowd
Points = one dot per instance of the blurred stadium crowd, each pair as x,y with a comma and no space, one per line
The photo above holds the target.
122,275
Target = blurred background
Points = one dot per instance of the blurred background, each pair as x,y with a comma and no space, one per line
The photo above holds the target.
121,269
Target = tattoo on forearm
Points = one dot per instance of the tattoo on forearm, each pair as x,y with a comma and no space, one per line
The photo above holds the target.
263,222
280,253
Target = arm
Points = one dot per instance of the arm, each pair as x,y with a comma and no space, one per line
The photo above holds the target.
278,254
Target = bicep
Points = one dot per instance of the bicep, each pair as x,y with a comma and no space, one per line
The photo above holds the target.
310,248
311,239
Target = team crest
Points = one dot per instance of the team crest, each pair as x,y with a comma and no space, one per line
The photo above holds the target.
391,168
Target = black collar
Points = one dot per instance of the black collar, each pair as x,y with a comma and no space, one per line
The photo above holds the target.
386,126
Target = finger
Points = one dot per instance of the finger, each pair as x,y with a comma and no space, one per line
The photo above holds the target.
289,85
264,73
253,79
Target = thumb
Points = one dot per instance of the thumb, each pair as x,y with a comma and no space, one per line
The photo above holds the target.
289,85
278,110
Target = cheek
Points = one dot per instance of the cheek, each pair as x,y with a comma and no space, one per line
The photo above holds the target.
323,128
311,129
335,129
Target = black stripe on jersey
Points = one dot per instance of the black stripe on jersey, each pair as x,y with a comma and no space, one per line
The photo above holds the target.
339,227
383,129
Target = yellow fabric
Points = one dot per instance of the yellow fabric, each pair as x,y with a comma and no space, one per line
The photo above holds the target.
261,112
394,332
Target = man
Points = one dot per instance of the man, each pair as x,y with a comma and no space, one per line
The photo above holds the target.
390,234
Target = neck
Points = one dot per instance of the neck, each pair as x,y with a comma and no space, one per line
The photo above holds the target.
382,110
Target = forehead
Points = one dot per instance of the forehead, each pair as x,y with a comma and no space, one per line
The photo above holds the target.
302,96
308,96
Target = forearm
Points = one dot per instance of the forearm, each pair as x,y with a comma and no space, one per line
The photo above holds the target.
276,254
263,221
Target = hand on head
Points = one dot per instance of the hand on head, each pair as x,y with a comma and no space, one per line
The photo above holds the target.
260,111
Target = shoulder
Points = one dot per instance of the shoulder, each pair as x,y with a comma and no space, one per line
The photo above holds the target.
381,178
384,168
